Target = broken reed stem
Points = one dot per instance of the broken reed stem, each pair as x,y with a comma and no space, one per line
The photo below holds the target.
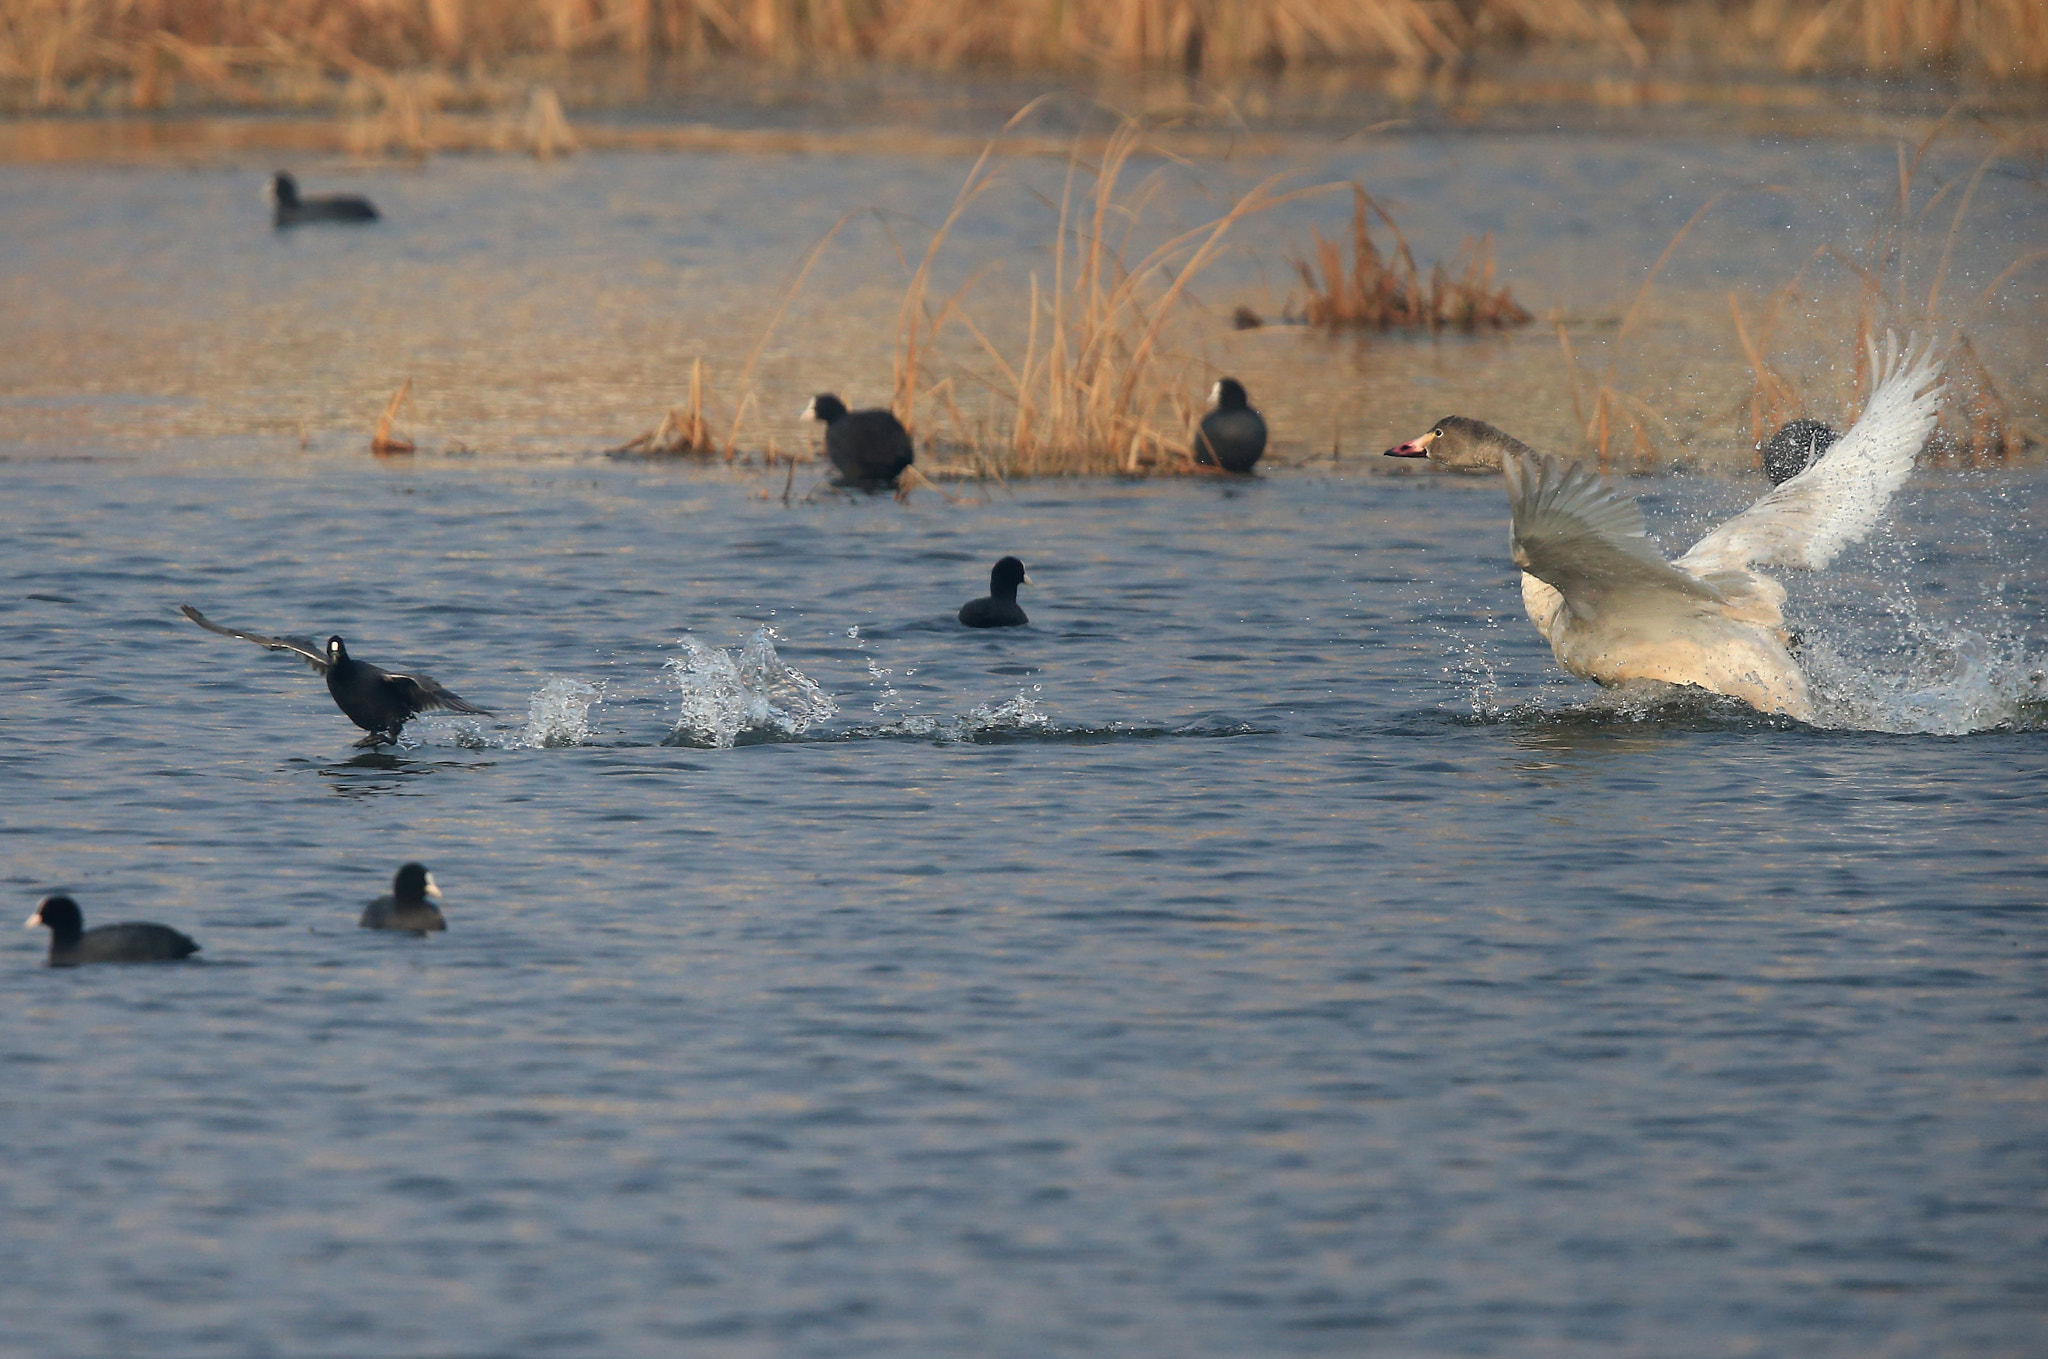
683,430
382,441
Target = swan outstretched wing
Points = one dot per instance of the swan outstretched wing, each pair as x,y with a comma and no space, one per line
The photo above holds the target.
1843,495
1584,538
304,649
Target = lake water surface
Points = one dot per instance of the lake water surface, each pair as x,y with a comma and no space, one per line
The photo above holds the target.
1267,951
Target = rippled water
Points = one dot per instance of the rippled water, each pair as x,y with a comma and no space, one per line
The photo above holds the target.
1265,952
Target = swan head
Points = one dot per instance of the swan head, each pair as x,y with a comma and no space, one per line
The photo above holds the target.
1461,444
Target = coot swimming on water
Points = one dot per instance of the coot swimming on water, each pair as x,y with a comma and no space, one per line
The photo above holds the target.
999,608
138,941
287,208
410,906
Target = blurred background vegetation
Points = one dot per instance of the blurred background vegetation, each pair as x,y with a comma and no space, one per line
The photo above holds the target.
146,54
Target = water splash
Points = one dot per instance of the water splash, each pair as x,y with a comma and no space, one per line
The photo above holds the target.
558,714
1952,683
1021,716
1474,668
727,696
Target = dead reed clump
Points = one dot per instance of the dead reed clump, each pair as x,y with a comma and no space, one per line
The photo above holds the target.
683,431
1375,291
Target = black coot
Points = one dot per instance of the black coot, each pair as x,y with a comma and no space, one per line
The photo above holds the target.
1233,435
1794,447
376,700
999,609
287,208
410,906
869,449
137,941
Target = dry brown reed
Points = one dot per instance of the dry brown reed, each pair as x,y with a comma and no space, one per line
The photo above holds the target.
684,431
1979,426
382,441
1618,425
1373,291
264,51
1095,389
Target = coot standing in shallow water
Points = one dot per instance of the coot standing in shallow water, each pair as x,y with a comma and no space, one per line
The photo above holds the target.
288,209
410,906
137,941
1793,448
869,449
999,608
375,700
1233,435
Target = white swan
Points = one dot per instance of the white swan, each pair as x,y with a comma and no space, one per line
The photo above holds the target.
1615,611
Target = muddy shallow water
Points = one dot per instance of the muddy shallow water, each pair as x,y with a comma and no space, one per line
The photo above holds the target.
1264,952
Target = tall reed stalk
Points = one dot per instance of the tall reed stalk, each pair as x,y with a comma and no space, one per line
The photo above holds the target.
1096,388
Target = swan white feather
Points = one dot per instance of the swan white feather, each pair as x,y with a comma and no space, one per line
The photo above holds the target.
1615,611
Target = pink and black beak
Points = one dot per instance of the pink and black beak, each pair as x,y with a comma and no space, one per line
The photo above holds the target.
1418,447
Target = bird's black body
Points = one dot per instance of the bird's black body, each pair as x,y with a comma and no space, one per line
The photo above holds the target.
1233,435
869,449
999,609
379,702
410,906
287,208
139,941
1794,447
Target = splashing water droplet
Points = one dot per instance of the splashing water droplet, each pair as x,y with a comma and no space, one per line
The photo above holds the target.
726,696
558,714
1019,714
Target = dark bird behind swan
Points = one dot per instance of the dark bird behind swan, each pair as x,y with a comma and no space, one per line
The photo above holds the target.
137,941
869,449
999,608
378,701
287,208
411,904
1793,447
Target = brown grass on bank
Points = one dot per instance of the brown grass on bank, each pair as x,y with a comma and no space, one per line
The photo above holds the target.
1095,390
254,51
1380,292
